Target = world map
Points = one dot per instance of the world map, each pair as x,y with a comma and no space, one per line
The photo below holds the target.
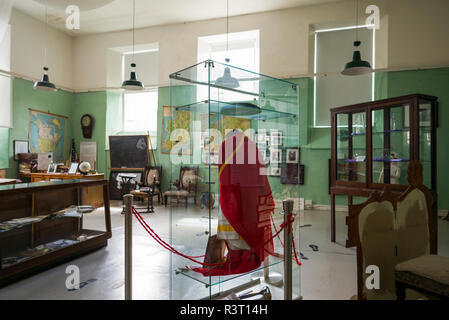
47,134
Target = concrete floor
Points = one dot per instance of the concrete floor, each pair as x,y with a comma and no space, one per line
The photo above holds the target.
329,273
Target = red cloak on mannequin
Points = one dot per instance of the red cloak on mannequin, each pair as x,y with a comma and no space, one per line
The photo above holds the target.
246,201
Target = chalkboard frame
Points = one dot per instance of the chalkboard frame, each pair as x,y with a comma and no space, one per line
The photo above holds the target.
124,166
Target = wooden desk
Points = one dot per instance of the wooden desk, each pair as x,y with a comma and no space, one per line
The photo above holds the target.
4,181
90,195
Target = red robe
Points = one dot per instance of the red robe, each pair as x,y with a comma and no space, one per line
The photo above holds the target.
247,202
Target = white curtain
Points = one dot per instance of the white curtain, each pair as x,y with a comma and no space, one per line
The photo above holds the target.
5,12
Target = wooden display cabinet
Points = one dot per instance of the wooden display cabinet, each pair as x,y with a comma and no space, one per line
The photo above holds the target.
38,245
373,143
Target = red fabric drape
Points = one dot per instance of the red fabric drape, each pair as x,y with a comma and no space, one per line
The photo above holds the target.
246,201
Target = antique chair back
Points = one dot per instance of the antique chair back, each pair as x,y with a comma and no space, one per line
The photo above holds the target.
389,229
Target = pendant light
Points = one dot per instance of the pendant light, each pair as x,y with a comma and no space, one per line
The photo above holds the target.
357,66
227,80
133,83
45,84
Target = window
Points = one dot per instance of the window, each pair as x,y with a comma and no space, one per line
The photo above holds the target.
334,48
242,48
140,108
140,113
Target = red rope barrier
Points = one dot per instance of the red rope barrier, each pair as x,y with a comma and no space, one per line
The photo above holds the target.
167,246
293,243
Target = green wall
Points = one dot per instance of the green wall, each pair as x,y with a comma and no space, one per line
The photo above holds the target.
95,104
314,142
25,97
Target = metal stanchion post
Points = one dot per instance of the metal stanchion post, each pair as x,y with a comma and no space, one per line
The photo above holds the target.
128,200
288,238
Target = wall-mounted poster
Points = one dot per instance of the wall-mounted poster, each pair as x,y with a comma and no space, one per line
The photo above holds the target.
171,121
46,133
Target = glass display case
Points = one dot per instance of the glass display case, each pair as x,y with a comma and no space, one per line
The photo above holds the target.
230,135
373,143
45,223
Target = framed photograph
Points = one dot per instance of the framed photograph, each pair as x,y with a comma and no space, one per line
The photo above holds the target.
275,156
52,167
276,138
275,171
20,146
73,168
264,156
292,155
261,137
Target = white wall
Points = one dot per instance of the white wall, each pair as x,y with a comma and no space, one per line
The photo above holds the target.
413,34
5,82
27,50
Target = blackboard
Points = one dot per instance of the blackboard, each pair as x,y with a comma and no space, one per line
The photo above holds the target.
129,151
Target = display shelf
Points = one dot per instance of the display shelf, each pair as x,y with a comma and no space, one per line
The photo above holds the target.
217,280
217,107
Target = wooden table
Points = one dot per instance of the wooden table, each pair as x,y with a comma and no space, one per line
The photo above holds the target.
90,195
4,181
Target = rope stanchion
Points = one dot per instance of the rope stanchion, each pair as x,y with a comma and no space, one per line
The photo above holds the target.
293,240
167,246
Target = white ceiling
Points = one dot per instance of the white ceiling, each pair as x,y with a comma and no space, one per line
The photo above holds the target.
113,15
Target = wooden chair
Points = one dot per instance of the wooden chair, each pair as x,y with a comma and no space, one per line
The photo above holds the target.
390,229
151,187
186,185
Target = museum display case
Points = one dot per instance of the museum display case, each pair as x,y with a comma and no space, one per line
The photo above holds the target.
43,224
230,135
374,142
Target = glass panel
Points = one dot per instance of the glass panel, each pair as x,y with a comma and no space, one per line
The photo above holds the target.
241,132
425,140
391,144
50,217
351,147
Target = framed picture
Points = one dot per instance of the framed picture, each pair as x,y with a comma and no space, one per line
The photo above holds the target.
262,137
276,138
73,168
275,156
52,167
20,146
275,171
265,158
292,173
292,155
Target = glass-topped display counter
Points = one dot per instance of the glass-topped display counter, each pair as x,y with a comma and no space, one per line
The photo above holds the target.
44,223
232,138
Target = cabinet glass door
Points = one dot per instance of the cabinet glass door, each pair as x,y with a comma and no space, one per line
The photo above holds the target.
425,140
390,144
351,147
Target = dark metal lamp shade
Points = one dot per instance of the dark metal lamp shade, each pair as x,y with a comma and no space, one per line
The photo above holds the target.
357,66
132,83
45,84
